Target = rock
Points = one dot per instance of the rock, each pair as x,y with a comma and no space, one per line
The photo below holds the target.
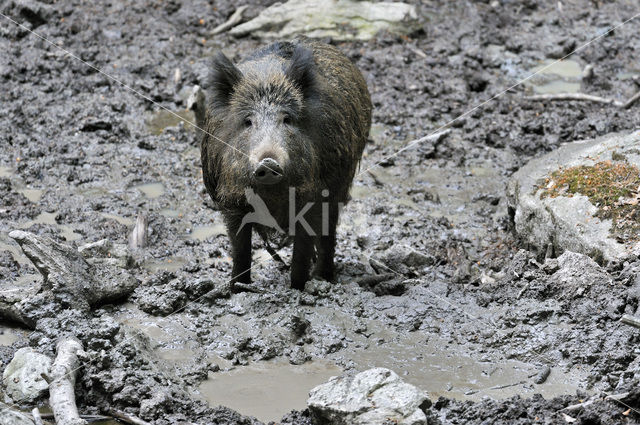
569,222
340,20
67,274
375,396
22,376
9,416
576,273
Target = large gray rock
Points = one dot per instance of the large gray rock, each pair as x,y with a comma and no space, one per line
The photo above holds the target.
9,416
338,19
569,223
576,274
23,375
370,397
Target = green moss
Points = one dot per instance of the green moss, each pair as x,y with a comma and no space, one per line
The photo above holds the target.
613,187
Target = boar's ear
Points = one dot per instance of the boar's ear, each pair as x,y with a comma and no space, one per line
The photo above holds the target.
222,79
302,70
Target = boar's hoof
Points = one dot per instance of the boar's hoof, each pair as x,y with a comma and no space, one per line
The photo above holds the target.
268,172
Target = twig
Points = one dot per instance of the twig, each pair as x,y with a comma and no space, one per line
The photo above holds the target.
61,389
631,101
617,397
243,287
435,137
630,320
587,97
523,290
232,21
500,387
126,417
578,406
576,96
36,416
375,178
91,418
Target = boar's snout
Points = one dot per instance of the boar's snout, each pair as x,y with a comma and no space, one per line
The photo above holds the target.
268,171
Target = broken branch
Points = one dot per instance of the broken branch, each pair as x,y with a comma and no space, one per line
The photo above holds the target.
126,417
588,98
63,381
630,320
231,22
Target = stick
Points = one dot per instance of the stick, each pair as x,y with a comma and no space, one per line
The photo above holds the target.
617,397
126,417
232,21
578,406
576,96
36,416
91,418
587,97
375,178
631,101
630,320
61,389
139,237
436,137
243,287
523,290
500,387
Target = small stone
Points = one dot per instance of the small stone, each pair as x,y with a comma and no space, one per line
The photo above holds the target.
22,376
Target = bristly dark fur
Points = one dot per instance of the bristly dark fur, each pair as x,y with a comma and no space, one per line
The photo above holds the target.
302,70
222,78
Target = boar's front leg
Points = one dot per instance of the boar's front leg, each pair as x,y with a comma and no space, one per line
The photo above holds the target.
301,260
326,246
240,249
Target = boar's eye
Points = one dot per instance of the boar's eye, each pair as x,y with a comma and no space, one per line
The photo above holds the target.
286,120
247,122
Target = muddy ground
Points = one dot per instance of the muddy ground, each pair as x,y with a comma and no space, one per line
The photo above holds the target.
470,316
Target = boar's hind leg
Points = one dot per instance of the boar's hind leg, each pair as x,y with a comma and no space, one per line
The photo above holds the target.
301,261
241,251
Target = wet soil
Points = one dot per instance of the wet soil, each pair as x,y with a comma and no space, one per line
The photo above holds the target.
466,313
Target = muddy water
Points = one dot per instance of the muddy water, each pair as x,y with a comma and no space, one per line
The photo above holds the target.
151,190
50,219
556,77
32,194
9,335
162,119
168,264
267,390
205,232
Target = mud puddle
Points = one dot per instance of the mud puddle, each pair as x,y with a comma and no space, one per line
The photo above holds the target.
66,232
9,335
151,190
556,77
162,119
267,390
32,194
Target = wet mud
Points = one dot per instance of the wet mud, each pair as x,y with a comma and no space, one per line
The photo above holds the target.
465,312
